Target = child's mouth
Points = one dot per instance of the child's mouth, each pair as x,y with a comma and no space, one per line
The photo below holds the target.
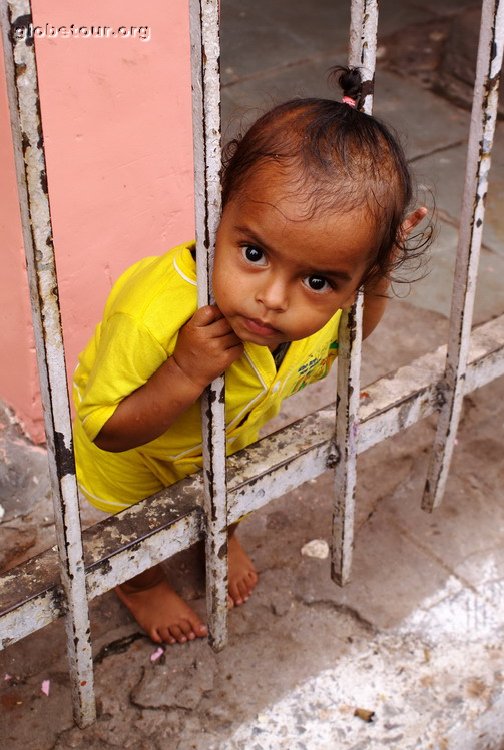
258,327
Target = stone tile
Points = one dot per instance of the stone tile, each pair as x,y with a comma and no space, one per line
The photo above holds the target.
26,658
434,291
445,172
256,37
178,682
244,102
447,7
406,108
390,576
465,533
32,720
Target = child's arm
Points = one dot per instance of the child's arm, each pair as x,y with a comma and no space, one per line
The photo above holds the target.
206,346
375,295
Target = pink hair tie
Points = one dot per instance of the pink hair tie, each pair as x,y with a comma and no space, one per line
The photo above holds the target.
348,100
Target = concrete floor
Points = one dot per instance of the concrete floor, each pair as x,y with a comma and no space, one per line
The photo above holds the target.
417,636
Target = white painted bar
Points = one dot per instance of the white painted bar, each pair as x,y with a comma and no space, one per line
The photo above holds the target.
204,25
363,31
483,119
23,93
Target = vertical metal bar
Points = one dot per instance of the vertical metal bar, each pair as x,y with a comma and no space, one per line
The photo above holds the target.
204,21
363,31
483,119
22,84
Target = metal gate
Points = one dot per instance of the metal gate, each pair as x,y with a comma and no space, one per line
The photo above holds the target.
56,584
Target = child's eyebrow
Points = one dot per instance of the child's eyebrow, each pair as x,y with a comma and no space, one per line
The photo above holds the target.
343,275
254,238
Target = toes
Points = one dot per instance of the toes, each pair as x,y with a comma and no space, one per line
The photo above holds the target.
234,593
183,631
186,628
166,636
200,630
245,589
177,633
155,636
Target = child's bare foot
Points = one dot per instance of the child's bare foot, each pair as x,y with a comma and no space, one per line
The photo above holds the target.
242,576
159,610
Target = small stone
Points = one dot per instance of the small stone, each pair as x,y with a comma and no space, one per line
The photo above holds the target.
317,548
365,714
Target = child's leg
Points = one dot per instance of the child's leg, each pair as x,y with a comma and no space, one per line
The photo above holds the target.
242,575
158,609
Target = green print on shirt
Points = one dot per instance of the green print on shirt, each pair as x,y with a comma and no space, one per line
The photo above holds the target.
316,368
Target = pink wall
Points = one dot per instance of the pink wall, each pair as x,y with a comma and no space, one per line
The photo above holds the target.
116,116
18,372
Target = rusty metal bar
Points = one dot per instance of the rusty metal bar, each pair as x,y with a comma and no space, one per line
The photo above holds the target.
204,24
30,596
363,31
483,119
24,103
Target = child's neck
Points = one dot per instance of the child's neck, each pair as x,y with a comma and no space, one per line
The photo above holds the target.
279,353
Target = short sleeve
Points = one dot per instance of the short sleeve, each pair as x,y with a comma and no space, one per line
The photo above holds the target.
126,356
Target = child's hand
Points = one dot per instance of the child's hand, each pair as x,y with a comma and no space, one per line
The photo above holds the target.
206,346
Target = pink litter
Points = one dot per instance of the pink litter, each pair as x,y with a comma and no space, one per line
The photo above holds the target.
156,654
46,686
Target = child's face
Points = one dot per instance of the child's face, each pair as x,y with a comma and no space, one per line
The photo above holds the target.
278,276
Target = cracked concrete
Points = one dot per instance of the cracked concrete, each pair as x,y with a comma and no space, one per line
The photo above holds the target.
417,636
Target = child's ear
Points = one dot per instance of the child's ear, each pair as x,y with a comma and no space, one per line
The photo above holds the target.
410,222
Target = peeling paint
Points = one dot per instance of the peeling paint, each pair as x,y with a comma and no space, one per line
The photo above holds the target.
64,456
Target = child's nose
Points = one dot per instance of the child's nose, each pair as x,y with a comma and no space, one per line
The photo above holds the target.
273,294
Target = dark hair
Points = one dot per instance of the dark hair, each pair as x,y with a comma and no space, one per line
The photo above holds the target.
343,158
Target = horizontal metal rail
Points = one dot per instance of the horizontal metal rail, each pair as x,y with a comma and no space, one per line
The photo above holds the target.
147,533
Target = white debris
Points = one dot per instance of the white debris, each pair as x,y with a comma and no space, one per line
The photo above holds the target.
316,548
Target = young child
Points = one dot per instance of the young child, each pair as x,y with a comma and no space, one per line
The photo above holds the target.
315,198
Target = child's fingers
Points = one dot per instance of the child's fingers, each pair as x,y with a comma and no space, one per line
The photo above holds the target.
216,328
206,315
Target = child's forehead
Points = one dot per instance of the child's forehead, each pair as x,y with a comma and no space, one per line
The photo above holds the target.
279,222
282,185
295,197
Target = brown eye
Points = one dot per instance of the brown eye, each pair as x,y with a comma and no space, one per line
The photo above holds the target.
317,283
253,254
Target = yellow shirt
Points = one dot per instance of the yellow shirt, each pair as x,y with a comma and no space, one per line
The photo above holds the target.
144,312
